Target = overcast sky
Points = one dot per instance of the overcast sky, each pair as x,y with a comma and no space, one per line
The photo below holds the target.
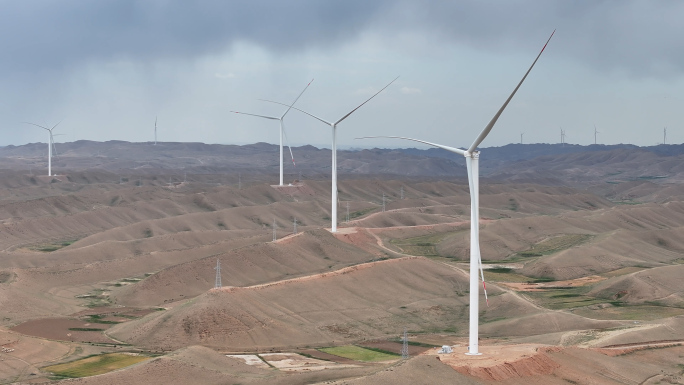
106,68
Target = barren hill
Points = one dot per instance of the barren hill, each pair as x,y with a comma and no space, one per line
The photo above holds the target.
370,300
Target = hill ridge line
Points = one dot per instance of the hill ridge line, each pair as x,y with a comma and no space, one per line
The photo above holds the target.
342,271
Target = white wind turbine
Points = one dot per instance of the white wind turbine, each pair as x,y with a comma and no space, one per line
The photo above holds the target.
333,125
50,143
596,132
155,130
472,159
282,128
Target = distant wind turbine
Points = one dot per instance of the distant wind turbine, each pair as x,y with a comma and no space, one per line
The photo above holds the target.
665,135
521,137
472,159
50,143
333,125
155,130
282,128
595,133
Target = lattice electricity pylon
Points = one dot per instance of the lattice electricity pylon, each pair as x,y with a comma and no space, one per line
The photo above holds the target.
275,229
295,226
404,347
218,274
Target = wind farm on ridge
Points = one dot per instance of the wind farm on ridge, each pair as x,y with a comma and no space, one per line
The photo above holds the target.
186,262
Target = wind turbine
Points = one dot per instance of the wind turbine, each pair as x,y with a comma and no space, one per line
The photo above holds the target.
155,130
595,132
282,128
50,143
521,137
472,162
665,135
333,125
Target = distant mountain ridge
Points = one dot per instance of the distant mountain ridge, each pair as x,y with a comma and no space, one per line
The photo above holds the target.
551,163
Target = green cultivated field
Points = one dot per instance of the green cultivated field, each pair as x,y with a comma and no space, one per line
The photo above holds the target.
425,245
92,366
358,353
630,312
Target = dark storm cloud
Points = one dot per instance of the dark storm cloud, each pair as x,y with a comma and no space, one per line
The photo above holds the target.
54,34
636,36
631,35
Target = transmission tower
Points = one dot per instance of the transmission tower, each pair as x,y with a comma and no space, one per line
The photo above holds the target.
401,192
239,181
383,202
275,236
404,347
218,274
295,225
347,212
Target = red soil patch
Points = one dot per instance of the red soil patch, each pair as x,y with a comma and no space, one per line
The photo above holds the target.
618,350
58,329
542,286
114,312
498,363
329,357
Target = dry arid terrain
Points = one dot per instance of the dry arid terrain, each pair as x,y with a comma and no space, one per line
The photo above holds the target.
113,261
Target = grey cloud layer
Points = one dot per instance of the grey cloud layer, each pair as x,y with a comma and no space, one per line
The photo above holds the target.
635,36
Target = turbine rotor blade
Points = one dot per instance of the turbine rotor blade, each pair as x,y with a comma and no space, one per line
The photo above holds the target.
295,108
484,286
37,125
261,116
450,149
287,141
295,101
489,126
53,127
376,94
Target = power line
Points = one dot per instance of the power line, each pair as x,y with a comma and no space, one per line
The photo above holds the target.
218,274
404,347
275,235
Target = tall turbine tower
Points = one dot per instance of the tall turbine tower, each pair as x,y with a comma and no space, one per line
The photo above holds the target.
472,163
665,135
595,133
50,143
282,128
333,125
155,130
